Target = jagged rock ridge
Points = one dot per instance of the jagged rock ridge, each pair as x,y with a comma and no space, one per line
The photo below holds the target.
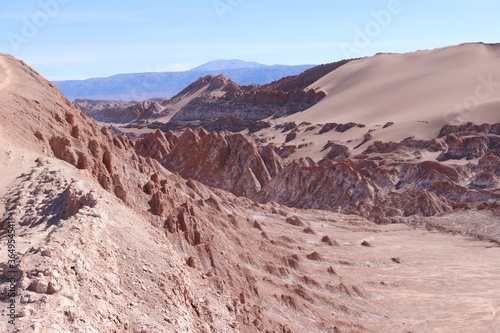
118,111
378,184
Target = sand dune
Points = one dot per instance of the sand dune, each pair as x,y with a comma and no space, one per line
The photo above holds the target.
419,91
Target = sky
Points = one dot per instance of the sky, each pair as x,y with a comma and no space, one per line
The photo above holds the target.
75,39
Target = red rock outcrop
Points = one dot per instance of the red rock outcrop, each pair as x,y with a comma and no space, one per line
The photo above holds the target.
228,161
119,111
227,123
329,186
378,185
156,145
337,152
470,147
469,128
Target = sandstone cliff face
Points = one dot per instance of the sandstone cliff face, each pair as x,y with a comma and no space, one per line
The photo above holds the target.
470,141
156,145
227,123
330,186
230,162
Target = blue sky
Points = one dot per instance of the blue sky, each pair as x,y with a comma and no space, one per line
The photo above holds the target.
74,39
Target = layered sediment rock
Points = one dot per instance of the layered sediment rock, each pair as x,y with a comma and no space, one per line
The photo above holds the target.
378,184
119,111
231,162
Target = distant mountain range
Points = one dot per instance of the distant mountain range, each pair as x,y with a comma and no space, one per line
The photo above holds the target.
222,64
142,86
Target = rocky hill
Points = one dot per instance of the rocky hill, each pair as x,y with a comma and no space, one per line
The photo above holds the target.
244,102
102,232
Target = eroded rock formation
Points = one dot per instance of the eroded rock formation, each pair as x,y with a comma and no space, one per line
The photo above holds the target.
387,183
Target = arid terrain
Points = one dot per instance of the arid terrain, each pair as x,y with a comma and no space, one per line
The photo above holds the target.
349,200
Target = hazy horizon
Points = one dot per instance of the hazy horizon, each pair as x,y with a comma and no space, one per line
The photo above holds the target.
65,39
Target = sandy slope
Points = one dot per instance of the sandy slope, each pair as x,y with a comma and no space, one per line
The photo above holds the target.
419,92
5,74
183,100
407,88
13,161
